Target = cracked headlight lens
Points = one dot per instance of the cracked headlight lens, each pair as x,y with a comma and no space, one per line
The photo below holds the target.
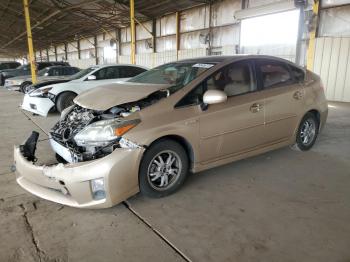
40,92
103,132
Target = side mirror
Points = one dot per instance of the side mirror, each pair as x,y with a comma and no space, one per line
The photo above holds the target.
46,74
91,77
214,97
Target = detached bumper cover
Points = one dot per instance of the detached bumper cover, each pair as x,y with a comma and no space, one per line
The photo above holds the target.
70,184
37,105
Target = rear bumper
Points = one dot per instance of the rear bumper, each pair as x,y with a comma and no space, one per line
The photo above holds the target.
37,105
70,184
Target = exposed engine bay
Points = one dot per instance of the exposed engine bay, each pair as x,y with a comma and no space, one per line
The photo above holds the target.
71,123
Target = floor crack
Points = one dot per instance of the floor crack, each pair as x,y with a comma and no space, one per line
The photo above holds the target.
36,124
41,254
160,235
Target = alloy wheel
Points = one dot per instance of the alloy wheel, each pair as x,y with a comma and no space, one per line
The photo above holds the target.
308,131
164,170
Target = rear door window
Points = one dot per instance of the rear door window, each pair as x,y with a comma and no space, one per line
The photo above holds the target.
130,71
110,72
55,71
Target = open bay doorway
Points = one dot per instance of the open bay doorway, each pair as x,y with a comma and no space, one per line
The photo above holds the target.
272,34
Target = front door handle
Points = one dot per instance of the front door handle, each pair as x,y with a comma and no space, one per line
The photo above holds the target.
298,95
256,107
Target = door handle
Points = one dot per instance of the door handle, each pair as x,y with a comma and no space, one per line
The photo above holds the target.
298,95
255,108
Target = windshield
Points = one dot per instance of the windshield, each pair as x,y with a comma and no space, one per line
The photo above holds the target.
176,75
82,73
24,67
43,71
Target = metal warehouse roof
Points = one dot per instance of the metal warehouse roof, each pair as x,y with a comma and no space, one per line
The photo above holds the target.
58,21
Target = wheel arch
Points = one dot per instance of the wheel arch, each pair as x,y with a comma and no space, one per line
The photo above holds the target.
63,92
317,114
183,142
26,82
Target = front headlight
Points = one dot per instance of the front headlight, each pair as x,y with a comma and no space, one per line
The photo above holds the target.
40,92
103,132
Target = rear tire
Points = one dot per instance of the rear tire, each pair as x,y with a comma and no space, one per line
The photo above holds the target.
307,132
64,100
163,169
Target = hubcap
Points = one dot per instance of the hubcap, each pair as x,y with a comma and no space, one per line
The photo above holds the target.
164,170
308,132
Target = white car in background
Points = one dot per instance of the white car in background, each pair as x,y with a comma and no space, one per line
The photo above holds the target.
60,96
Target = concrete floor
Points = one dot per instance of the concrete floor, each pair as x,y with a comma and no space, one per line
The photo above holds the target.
281,206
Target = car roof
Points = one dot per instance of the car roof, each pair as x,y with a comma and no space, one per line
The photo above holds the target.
219,59
106,65
9,62
59,66
233,58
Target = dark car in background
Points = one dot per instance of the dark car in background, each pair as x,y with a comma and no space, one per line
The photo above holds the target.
8,65
25,70
22,83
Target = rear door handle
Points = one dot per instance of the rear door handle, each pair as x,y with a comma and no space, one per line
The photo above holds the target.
256,107
298,95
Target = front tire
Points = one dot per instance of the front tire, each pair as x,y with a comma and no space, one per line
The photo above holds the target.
163,169
24,87
64,100
307,132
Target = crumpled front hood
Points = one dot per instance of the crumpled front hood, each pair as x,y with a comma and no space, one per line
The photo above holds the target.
107,96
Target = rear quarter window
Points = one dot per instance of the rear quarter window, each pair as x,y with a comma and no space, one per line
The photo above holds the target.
298,74
274,74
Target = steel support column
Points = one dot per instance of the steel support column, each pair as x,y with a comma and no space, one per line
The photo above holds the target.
299,45
133,31
66,51
55,53
154,33
312,38
78,47
118,44
177,35
30,41
96,51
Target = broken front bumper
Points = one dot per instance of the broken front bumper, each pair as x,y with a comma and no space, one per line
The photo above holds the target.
37,105
70,184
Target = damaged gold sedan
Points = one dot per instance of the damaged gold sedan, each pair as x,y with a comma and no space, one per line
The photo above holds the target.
146,134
